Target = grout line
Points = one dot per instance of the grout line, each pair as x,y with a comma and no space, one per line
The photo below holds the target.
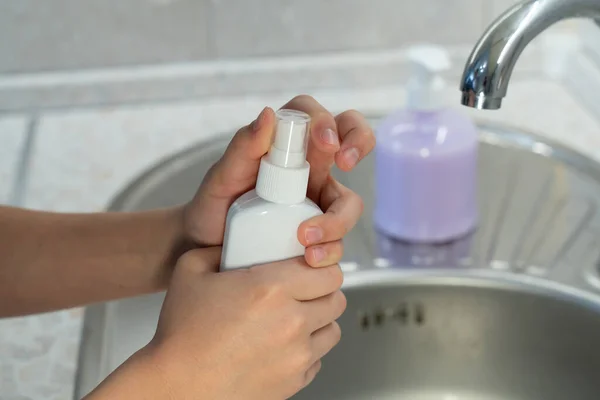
21,177
224,78
187,99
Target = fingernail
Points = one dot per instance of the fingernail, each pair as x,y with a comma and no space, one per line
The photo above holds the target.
313,234
351,156
319,254
330,137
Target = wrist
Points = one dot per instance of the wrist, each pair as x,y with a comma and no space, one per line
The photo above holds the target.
182,242
140,377
178,374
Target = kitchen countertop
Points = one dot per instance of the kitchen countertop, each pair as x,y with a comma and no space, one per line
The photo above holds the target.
101,149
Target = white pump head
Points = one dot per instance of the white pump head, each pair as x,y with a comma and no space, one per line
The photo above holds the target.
427,62
283,172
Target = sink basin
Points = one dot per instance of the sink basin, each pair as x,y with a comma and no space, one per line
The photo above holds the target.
510,312
458,338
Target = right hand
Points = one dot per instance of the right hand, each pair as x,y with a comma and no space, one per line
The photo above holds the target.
342,140
256,333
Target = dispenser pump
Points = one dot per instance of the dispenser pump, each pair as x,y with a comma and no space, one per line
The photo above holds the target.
283,173
427,62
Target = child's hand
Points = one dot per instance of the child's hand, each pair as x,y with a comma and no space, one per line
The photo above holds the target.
253,334
256,333
342,140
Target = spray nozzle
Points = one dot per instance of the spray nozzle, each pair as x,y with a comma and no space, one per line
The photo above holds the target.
291,139
427,61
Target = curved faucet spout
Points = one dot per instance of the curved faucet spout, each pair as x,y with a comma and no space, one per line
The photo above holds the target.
488,70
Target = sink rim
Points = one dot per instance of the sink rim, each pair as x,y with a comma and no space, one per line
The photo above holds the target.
470,278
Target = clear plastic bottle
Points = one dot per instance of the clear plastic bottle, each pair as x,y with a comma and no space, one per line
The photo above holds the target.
262,224
426,161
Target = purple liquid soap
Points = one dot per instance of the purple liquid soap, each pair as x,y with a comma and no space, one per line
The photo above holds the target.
426,175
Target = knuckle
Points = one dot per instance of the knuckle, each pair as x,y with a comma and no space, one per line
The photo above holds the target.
351,113
186,259
309,375
316,368
303,98
190,260
341,302
366,132
370,139
302,359
355,202
210,174
265,293
335,276
359,202
335,251
295,325
216,183
312,372
336,333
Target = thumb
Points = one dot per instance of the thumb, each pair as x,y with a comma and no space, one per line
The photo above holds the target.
236,171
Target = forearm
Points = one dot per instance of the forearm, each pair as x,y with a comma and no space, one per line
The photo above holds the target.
50,261
139,378
162,374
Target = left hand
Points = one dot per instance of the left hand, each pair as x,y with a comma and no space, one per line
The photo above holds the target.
343,140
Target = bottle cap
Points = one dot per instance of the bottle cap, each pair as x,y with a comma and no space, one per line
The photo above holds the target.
290,140
283,173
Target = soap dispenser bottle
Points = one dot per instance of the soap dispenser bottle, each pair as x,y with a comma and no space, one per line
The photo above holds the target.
262,224
426,161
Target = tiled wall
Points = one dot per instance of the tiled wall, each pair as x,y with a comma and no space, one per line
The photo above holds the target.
42,35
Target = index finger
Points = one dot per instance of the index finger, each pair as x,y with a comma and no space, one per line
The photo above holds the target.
357,138
324,141
300,280
343,210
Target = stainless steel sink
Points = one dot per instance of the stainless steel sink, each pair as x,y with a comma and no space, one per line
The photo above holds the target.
510,312
442,338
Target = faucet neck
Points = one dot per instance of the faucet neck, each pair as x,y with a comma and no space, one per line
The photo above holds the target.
489,68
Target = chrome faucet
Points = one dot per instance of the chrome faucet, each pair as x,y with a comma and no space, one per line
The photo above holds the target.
490,65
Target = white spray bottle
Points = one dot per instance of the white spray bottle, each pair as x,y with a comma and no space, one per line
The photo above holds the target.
262,224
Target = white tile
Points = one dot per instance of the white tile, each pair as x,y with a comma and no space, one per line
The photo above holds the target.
13,130
560,117
71,34
32,363
495,8
293,26
83,158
